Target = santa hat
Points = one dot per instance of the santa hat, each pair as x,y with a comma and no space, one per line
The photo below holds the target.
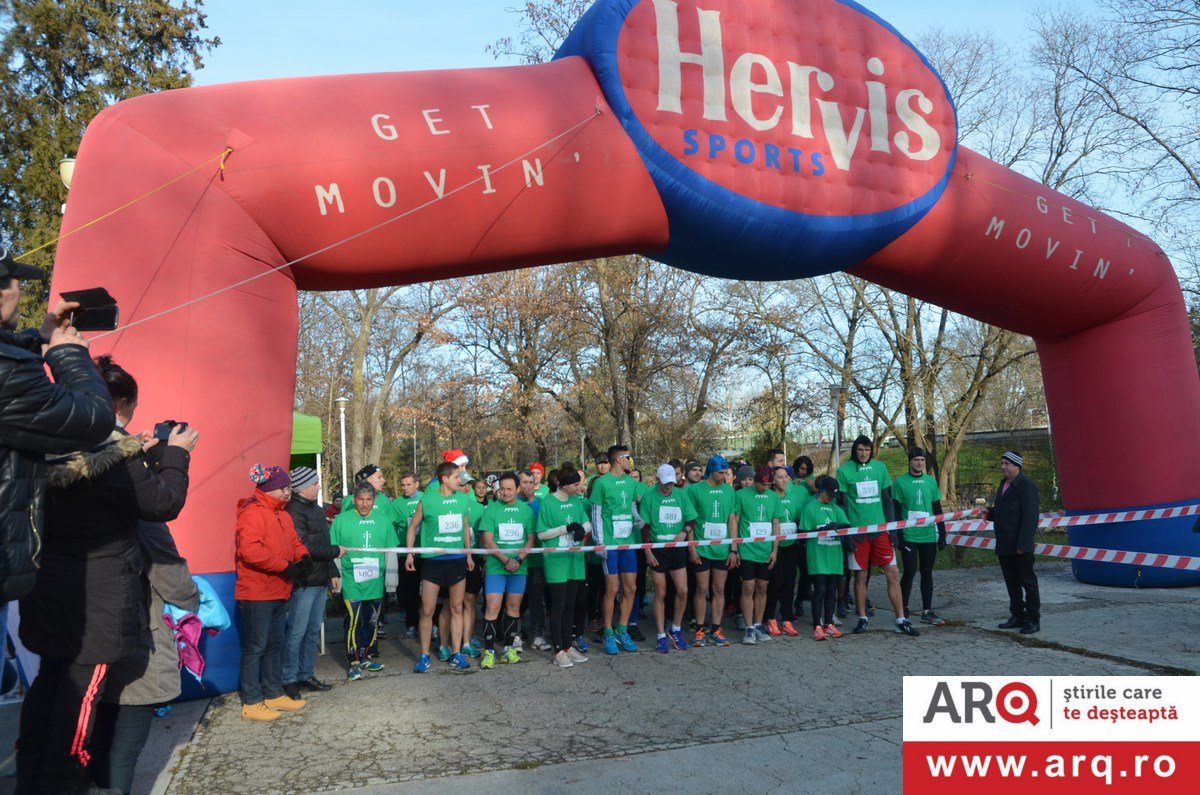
456,457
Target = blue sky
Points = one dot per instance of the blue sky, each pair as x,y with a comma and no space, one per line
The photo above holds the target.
270,38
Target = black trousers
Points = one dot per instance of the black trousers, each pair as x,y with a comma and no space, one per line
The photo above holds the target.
56,726
568,607
824,597
534,601
408,593
918,556
119,738
781,589
1024,602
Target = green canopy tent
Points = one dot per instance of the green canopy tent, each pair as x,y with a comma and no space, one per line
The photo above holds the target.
306,445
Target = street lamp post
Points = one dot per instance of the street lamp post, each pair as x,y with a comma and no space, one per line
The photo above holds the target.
342,401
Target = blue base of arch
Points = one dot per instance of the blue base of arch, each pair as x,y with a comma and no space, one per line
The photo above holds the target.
1162,536
222,652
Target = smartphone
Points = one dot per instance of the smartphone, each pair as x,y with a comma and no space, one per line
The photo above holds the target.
95,318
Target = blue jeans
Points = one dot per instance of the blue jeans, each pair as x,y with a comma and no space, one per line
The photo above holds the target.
306,611
262,648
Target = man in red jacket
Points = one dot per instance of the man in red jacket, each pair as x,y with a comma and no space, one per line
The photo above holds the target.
268,553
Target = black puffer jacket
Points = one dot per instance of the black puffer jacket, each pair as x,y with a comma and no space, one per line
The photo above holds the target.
88,605
313,530
40,416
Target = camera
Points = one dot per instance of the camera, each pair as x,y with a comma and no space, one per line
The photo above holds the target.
162,430
97,309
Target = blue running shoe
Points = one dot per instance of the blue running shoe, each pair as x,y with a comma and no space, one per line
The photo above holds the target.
610,644
677,638
582,645
354,674
472,650
626,642
372,666
422,664
459,662
663,645
443,653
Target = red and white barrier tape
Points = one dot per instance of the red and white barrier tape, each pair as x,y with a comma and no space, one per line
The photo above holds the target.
1151,559
1053,520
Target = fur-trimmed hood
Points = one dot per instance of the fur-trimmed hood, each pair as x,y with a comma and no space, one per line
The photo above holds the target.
66,470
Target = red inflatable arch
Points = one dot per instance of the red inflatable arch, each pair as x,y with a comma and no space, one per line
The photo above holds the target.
746,140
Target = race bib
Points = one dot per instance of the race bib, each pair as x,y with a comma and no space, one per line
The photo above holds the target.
564,541
715,531
831,541
511,531
622,526
760,528
450,523
365,569
867,490
787,528
668,514
917,514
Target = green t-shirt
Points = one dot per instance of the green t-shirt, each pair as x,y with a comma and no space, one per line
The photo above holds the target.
475,511
665,517
363,572
403,509
756,511
510,526
916,497
533,561
712,506
443,522
825,555
541,492
553,512
616,497
794,500
863,485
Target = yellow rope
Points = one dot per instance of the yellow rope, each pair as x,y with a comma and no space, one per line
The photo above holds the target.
222,156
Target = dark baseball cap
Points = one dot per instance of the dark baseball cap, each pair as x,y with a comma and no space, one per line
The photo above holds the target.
10,267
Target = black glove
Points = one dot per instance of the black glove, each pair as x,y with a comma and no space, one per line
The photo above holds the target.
576,530
941,537
903,542
296,569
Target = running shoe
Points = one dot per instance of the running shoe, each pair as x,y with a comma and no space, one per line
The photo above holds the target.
576,655
610,644
818,633
840,610
832,632
582,644
663,646
626,642
906,628
372,666
759,635
861,627
410,633
749,639
422,664
837,622
472,649
739,622
930,617
789,629
459,662
509,657
718,637
354,674
541,644
489,659
444,653
699,641
380,632
563,660
635,633
772,628
677,639
518,644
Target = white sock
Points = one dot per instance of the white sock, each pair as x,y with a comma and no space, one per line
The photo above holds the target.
676,628
901,620
662,635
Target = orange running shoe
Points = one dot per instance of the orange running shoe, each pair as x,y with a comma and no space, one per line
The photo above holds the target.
699,641
818,633
832,632
718,637
789,629
772,628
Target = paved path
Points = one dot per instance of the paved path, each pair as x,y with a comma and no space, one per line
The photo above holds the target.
791,715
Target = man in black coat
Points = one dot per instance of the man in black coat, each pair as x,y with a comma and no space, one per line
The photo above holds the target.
38,416
1014,513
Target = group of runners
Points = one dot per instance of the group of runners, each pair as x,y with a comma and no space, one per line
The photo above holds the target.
686,501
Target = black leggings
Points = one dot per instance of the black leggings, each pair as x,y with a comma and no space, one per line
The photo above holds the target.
824,597
924,552
781,589
568,606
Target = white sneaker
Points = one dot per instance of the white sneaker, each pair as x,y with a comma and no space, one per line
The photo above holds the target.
749,639
759,635
837,622
518,644
541,644
576,655
563,660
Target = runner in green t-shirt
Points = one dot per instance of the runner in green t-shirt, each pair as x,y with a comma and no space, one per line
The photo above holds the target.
825,555
756,512
563,522
613,499
362,575
506,526
408,589
869,499
535,583
470,644
669,516
712,502
917,496
441,518
780,616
